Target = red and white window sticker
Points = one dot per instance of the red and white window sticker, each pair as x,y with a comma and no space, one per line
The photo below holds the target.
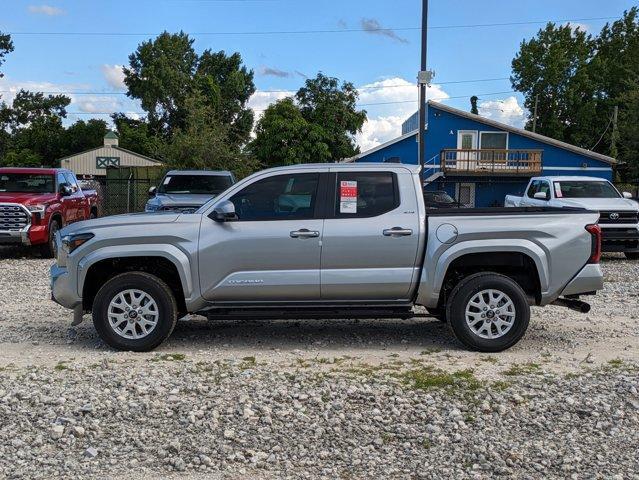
558,192
348,196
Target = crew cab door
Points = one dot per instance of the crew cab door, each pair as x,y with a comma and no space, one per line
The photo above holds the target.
537,186
272,251
69,209
371,236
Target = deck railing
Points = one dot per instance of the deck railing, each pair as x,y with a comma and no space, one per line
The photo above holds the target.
491,162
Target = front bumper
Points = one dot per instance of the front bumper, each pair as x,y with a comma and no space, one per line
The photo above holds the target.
620,239
63,289
9,237
588,280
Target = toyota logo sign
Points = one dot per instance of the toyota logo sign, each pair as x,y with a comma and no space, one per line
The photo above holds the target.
614,216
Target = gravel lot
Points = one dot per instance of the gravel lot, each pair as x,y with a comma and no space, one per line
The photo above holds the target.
318,399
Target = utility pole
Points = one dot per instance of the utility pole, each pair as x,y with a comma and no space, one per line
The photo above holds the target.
535,114
615,133
423,79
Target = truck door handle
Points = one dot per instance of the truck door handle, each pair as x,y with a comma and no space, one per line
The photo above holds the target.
397,232
305,233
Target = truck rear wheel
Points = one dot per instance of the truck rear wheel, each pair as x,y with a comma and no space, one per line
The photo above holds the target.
134,311
488,312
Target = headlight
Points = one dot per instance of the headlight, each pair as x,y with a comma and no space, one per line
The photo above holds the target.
37,209
71,242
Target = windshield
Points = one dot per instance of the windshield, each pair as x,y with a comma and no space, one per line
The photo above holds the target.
195,184
585,189
27,183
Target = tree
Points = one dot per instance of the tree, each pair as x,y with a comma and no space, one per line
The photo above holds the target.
204,143
284,137
28,107
6,47
326,103
83,136
166,72
22,158
554,65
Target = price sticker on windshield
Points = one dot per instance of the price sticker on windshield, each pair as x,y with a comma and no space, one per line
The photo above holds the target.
348,196
558,192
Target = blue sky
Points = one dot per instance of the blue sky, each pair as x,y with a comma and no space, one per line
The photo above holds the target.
385,65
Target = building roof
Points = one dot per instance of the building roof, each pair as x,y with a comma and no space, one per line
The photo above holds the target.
492,123
522,132
111,135
115,148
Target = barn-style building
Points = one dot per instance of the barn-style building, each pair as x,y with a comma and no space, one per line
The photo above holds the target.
479,161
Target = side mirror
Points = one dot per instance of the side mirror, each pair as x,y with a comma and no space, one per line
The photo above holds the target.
65,190
627,195
541,196
153,191
224,212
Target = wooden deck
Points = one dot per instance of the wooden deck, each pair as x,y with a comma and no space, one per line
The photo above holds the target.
491,162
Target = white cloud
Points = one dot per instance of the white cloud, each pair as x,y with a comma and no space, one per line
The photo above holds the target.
114,76
45,10
260,100
398,99
506,111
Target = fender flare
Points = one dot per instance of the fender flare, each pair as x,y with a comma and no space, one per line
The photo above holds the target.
436,277
169,252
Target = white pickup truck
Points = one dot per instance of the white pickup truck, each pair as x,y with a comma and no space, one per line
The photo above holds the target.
618,215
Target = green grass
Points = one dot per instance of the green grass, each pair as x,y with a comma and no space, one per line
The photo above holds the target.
61,366
616,363
430,351
523,369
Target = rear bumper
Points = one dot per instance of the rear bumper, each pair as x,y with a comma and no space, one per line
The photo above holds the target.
589,279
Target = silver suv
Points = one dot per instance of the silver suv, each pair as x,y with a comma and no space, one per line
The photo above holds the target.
187,190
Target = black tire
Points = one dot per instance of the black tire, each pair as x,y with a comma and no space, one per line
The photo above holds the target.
632,255
468,288
93,215
153,287
47,250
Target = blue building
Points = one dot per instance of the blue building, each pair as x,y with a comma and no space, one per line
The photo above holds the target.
479,161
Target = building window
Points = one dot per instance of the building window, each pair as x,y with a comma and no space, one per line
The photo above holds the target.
493,140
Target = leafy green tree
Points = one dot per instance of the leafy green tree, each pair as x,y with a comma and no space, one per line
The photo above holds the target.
22,158
6,47
473,105
203,143
28,107
284,137
166,72
554,66
82,136
326,103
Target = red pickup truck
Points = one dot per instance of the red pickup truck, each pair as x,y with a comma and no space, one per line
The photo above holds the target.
36,202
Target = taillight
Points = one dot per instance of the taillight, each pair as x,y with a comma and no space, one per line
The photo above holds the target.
595,250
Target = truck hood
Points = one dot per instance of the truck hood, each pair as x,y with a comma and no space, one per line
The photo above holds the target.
180,199
27,198
621,204
115,221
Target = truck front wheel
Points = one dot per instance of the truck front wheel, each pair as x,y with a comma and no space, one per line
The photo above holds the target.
134,311
488,312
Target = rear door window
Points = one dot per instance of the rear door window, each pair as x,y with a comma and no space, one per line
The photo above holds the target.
365,194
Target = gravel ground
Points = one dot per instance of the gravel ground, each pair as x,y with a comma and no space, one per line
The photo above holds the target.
318,399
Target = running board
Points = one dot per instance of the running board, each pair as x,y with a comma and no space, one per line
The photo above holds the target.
315,313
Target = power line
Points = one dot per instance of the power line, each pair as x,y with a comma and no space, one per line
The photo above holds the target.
324,31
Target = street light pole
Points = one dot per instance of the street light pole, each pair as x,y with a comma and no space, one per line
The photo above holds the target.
423,79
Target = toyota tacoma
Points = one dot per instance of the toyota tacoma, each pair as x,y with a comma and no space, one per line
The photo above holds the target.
327,241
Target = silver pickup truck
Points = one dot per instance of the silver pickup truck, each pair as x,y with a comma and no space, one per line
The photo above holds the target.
327,241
